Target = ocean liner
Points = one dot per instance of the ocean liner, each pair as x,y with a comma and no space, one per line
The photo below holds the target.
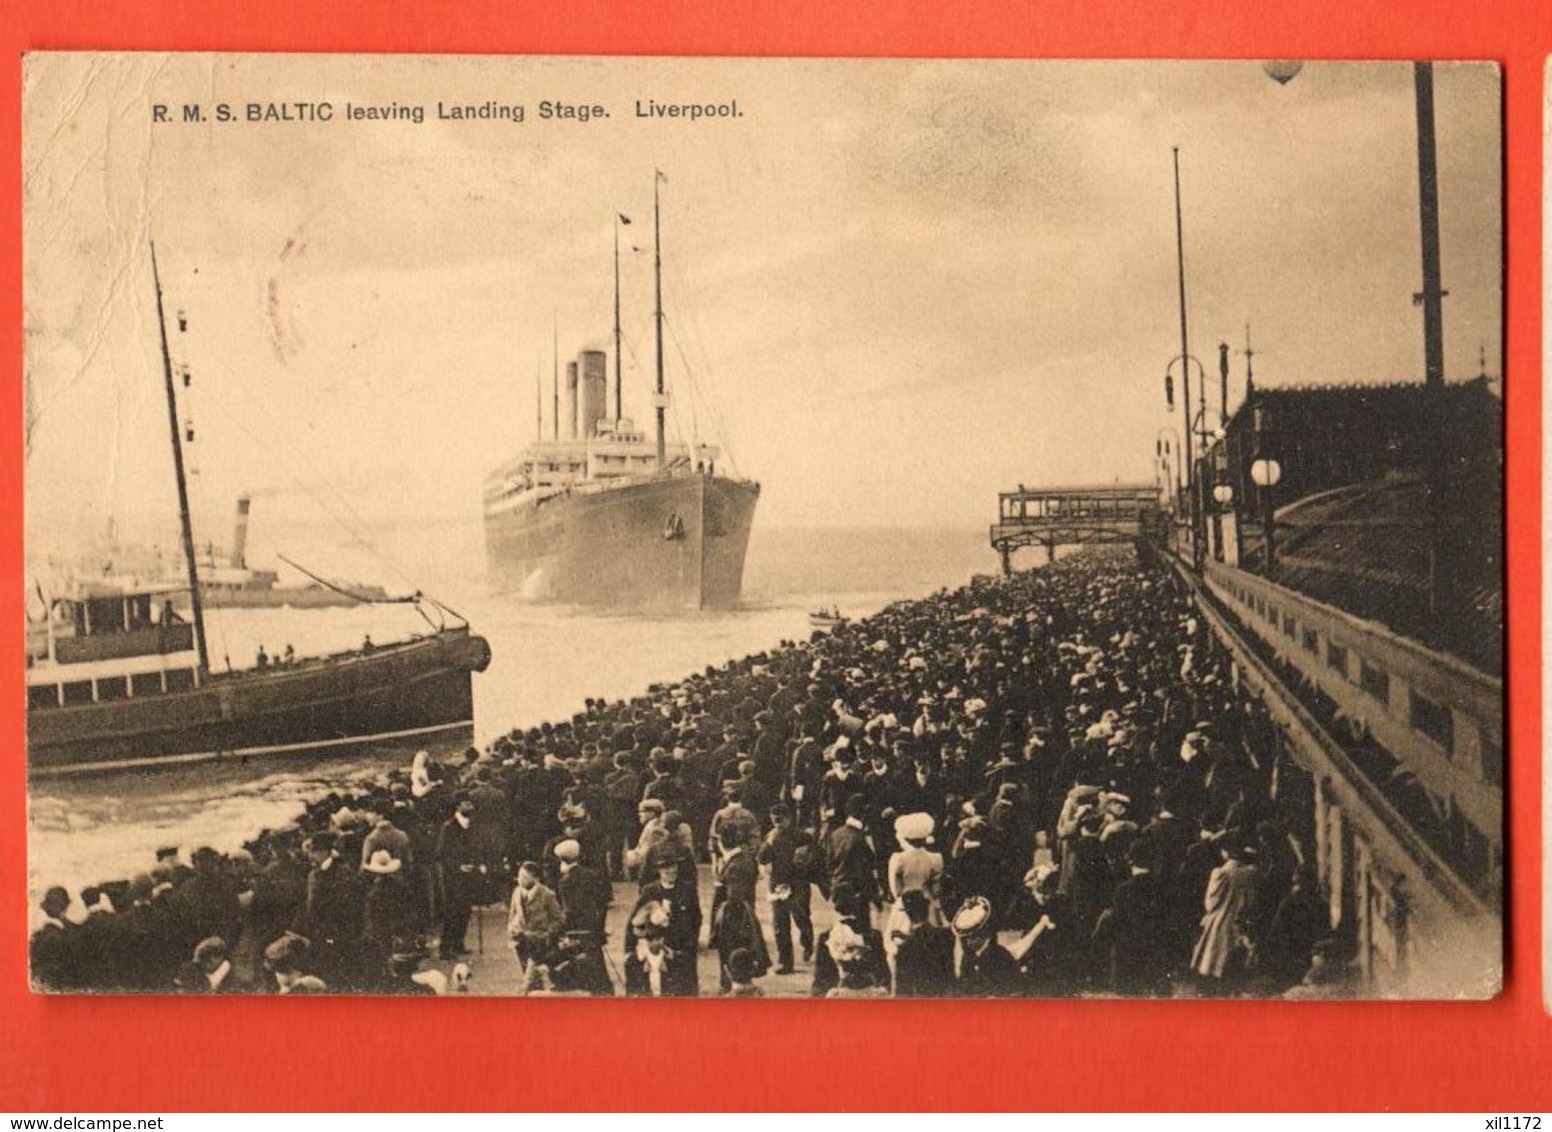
119,674
607,515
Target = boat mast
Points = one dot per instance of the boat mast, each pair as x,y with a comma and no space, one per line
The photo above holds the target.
619,381
555,381
183,488
657,287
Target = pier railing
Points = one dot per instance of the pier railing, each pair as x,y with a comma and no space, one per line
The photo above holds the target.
1438,717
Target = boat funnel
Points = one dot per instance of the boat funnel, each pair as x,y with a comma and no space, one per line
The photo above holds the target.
593,387
571,397
240,535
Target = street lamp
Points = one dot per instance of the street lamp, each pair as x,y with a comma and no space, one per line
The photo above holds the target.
1166,446
1431,299
1192,424
1283,70
1264,473
1185,360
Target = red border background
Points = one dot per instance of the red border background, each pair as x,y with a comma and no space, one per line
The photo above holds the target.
109,1055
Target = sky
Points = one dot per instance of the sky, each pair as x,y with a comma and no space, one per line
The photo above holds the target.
892,288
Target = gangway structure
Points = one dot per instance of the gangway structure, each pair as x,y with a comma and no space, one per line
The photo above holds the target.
1114,514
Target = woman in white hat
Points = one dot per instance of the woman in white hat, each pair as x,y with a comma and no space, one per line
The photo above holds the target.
915,868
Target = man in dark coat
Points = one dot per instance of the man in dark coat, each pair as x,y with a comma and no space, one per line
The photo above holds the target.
805,772
623,787
924,956
584,896
490,812
665,785
460,857
769,753
385,918
55,949
330,917
840,784
681,935
1052,951
735,923
791,854
528,820
277,890
135,936
1130,944
849,855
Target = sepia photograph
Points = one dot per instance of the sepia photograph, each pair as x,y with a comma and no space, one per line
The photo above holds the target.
822,528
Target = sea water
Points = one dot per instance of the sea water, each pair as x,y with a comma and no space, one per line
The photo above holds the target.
547,660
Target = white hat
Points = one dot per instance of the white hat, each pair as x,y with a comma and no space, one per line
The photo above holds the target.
914,827
973,915
845,944
383,863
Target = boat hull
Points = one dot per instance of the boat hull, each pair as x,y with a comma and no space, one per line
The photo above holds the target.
420,686
665,542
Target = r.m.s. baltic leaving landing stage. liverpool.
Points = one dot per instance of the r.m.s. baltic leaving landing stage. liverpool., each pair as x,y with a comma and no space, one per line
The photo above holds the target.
605,515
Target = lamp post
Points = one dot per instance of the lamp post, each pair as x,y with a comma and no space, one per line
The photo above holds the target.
1223,495
1193,504
1213,471
1264,473
1185,359
1166,446
1431,299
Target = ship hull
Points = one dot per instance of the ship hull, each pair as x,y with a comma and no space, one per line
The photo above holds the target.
673,542
417,687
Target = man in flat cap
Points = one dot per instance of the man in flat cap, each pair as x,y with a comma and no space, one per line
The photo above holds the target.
535,919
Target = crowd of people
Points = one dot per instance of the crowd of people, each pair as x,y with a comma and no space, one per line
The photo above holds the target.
1042,785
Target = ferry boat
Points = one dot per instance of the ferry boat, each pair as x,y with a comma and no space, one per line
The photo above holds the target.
120,674
608,515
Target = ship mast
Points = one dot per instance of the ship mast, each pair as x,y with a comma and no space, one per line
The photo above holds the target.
555,381
183,489
657,286
619,380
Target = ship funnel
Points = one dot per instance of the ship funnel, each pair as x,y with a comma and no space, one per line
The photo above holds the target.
571,397
240,534
593,389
